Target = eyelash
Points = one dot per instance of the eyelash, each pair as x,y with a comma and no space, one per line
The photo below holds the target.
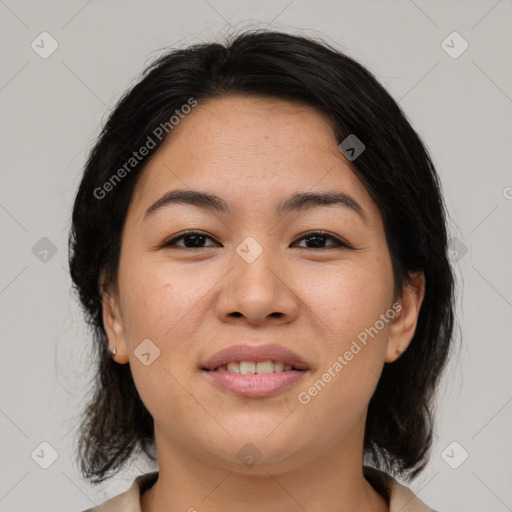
339,243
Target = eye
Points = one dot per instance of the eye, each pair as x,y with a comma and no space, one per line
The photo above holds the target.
318,238
191,239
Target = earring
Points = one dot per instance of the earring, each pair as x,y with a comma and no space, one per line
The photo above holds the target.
112,350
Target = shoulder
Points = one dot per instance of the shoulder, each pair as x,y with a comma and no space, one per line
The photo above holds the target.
128,501
400,498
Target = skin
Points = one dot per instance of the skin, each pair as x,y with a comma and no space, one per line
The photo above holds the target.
253,152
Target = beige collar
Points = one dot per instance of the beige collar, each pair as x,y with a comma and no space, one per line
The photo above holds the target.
399,497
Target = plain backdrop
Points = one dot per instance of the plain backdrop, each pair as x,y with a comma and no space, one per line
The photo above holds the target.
52,108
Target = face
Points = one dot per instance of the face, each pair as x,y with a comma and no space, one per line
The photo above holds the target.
315,279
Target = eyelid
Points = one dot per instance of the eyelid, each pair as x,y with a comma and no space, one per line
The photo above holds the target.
188,232
336,239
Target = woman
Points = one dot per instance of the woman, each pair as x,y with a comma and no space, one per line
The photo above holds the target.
259,243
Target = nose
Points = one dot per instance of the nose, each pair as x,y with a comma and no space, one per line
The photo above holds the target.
258,291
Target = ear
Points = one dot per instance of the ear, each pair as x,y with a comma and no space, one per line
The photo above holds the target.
113,321
404,323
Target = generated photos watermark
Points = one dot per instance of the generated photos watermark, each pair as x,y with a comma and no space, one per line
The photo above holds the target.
137,156
304,397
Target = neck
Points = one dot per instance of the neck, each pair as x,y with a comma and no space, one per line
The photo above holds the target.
331,481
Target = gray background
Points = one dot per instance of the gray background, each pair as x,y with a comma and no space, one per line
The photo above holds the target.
51,112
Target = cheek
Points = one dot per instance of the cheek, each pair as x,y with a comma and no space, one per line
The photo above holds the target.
352,362
354,338
162,304
160,299
349,298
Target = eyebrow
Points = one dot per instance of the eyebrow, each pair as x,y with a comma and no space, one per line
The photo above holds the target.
299,201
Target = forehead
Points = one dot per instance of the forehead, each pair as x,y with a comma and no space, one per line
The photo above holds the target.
246,121
252,151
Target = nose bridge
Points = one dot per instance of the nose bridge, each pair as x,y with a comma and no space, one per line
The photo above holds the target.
253,266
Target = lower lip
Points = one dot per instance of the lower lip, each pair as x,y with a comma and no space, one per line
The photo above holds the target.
256,385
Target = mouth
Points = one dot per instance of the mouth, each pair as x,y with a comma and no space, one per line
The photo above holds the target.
255,371
264,358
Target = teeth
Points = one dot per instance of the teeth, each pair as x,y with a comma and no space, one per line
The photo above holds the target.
247,367
233,368
264,367
251,367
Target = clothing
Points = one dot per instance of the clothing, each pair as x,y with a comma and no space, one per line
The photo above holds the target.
399,497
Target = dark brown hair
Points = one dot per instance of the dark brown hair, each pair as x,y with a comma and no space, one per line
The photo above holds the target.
395,168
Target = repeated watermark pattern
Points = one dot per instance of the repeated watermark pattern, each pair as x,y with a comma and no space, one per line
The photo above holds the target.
42,453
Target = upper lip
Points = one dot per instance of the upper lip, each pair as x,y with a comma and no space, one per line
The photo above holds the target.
267,352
